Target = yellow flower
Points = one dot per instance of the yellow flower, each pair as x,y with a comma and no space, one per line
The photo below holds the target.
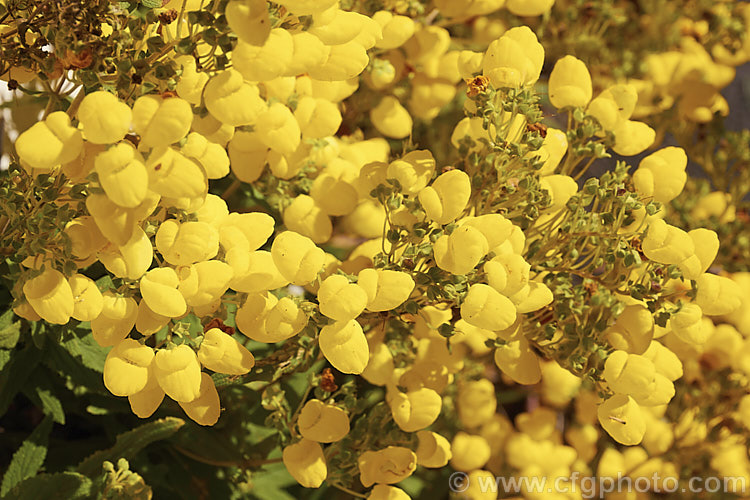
104,119
529,8
284,320
317,118
379,369
706,248
266,61
391,119
344,345
476,403
433,451
211,156
385,492
116,319
388,466
662,175
687,324
666,362
396,29
173,175
161,122
186,243
667,244
461,251
191,83
507,273
344,61
623,419
87,299
249,231
179,373
205,408
633,330
145,402
306,218
309,53
130,260
385,289
485,307
49,143
340,300
126,367
518,361
159,291
515,59
446,198
51,296
306,463
148,322
413,171
204,282
469,452
569,83
323,423
249,20
219,352
307,7
415,410
232,101
122,174
629,373
717,295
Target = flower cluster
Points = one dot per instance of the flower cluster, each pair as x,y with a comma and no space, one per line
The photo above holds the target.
281,206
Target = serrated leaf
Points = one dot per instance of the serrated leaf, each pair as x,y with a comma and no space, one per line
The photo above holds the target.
28,459
130,443
15,372
68,485
10,330
42,393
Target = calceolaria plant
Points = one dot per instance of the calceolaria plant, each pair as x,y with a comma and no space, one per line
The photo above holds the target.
346,248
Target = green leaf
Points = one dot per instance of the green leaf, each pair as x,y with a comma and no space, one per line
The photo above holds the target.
130,443
28,459
10,330
68,485
14,374
42,393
